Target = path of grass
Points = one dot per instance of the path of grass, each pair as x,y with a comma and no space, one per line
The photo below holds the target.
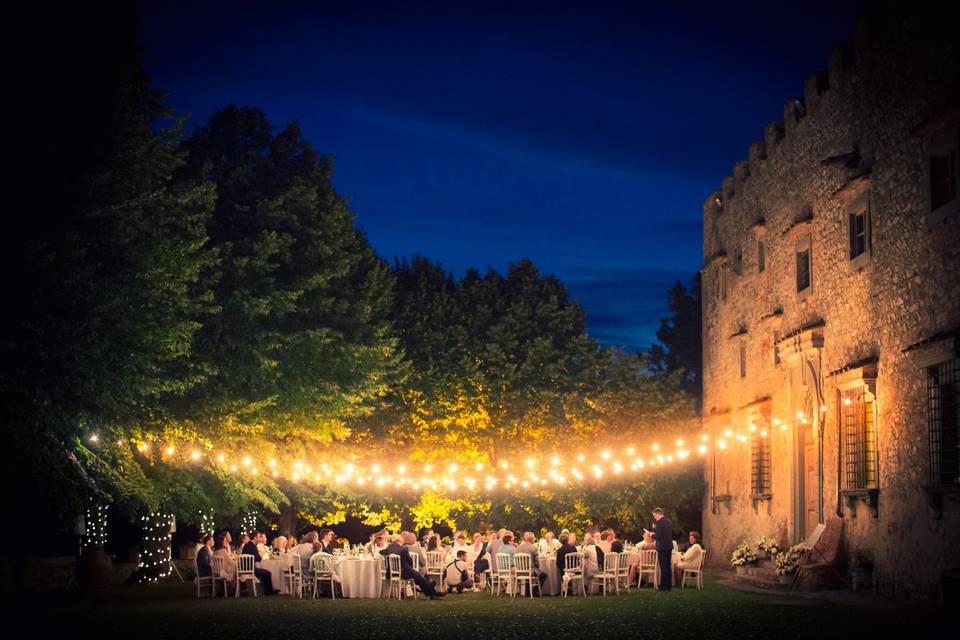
170,611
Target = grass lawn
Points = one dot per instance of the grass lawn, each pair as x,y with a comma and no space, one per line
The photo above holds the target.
170,610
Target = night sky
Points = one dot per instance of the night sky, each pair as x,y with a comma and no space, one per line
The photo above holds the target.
584,137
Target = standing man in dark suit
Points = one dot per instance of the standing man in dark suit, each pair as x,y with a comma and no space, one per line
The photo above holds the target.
264,576
406,567
663,534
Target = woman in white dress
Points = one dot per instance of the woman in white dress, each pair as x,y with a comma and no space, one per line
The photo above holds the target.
690,558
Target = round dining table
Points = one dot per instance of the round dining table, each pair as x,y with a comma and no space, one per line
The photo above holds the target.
359,576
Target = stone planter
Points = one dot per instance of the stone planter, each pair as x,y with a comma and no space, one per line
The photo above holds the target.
741,570
787,578
94,570
761,554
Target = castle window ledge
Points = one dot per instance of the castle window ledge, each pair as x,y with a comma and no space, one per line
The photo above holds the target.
724,499
800,225
861,261
742,331
935,494
871,497
805,296
759,227
775,316
935,349
760,497
718,257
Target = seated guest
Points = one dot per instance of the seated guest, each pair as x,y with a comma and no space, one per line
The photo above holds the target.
262,548
592,558
565,548
410,542
264,576
426,536
507,547
203,557
616,546
604,542
228,541
434,543
548,544
280,545
648,544
326,541
406,567
573,538
494,547
529,546
380,542
457,574
305,550
480,561
221,550
690,558
460,544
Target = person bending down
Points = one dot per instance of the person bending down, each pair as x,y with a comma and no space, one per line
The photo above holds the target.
457,575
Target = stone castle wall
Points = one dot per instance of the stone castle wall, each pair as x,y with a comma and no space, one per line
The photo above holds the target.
861,133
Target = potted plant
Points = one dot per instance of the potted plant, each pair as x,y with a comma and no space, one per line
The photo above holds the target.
787,563
742,556
767,548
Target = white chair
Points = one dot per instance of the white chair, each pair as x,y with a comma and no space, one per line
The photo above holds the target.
294,576
648,566
524,573
321,566
202,581
609,574
386,579
491,573
623,572
572,572
245,566
218,567
504,572
435,568
696,574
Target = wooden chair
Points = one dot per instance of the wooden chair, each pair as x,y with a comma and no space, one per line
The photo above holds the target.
504,572
435,568
572,572
202,581
218,567
820,550
696,574
648,566
321,565
245,566
294,576
623,572
523,573
609,573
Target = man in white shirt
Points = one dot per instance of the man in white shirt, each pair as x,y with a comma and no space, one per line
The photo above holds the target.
548,544
262,547
457,573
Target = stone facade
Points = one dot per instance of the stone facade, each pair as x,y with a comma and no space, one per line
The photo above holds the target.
833,380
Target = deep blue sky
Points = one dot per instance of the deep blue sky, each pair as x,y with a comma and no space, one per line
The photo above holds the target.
584,137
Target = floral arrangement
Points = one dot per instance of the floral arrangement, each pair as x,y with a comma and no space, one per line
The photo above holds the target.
768,545
787,560
743,555
344,543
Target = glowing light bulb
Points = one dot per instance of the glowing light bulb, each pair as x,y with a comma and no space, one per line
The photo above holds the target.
530,463
728,433
776,421
580,457
605,455
704,438
630,451
195,455
478,466
170,450
428,468
555,461
722,444
847,402
453,467
823,408
702,449
93,438
246,461
763,434
504,464
753,427
273,463
655,447
220,458
799,415
401,468
680,442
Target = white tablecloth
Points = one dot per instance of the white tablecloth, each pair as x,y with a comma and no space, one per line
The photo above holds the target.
276,567
359,577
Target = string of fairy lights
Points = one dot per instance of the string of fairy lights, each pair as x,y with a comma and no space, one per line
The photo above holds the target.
249,523
156,555
95,525
521,472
